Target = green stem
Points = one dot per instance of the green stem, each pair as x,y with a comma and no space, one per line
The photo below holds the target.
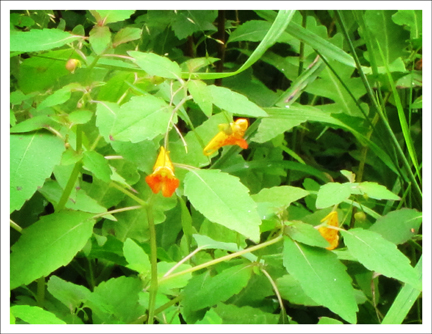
74,175
41,291
223,258
128,193
153,262
69,186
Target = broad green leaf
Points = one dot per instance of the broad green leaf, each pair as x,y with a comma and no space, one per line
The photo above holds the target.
70,294
78,200
137,153
375,190
167,285
143,117
110,16
40,40
40,149
246,315
411,18
305,233
404,301
35,315
380,255
210,318
233,102
137,259
398,226
201,95
205,290
322,276
116,301
126,35
291,290
332,193
205,242
48,244
34,123
189,21
100,38
154,64
97,164
329,321
80,116
58,97
391,37
255,31
222,199
284,119
281,196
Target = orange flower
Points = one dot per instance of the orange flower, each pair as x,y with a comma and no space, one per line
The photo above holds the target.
331,235
230,134
163,175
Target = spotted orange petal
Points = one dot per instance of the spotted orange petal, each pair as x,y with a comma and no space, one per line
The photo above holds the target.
331,235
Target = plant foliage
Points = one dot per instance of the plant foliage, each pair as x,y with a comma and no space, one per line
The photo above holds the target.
102,99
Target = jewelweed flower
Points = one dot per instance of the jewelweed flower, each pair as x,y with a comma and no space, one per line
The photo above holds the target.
163,177
229,134
331,235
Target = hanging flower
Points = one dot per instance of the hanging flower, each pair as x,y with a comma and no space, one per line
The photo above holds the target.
163,175
331,235
230,134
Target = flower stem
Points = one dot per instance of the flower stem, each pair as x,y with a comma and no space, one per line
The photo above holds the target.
153,262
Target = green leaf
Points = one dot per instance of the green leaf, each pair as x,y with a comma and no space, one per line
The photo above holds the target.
116,301
255,31
380,255
35,315
137,153
100,38
210,318
398,226
143,117
234,103
222,199
40,149
291,290
404,301
34,123
40,40
391,37
80,116
245,315
305,233
205,290
154,64
110,16
70,294
169,285
284,119
322,276
189,21
411,18
375,190
48,244
201,95
137,259
58,97
332,193
126,35
329,321
281,196
98,165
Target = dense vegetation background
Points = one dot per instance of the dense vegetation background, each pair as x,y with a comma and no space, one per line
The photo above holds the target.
333,100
